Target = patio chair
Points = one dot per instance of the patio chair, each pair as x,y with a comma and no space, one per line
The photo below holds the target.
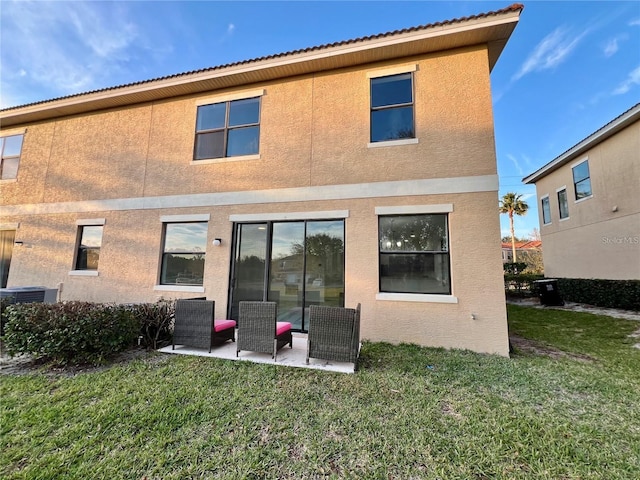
195,326
259,330
334,334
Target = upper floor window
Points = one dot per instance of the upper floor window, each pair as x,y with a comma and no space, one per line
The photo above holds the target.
392,108
10,149
414,254
582,180
563,206
546,211
89,244
227,129
183,253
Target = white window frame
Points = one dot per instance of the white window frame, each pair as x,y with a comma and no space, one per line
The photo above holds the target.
558,190
388,72
574,165
189,218
85,222
419,297
542,209
230,97
12,133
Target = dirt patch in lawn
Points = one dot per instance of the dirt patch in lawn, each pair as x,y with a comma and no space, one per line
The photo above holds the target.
25,365
531,347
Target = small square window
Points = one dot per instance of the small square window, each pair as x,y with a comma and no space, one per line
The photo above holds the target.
89,244
392,112
10,151
227,129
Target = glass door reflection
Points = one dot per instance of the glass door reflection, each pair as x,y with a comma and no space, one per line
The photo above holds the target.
305,267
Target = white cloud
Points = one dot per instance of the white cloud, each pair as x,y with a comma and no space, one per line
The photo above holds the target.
635,22
550,52
611,47
632,79
231,28
61,48
515,162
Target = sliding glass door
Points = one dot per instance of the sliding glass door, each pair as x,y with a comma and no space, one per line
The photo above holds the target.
295,264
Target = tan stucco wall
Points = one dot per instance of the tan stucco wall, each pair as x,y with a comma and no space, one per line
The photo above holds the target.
130,259
595,241
314,132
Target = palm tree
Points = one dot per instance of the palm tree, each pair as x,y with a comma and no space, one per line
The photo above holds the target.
512,203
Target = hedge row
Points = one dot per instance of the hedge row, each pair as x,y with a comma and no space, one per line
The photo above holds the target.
520,285
82,332
624,294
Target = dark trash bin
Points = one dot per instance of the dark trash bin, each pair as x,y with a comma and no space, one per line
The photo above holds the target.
548,292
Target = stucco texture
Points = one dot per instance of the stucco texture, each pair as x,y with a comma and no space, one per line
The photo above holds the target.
601,237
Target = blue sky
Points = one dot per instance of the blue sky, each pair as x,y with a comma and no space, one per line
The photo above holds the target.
568,69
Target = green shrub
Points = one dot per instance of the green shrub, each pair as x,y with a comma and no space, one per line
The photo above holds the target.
623,294
4,303
514,268
521,285
71,332
156,322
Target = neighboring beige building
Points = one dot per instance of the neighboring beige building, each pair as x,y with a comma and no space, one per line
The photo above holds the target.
589,203
357,172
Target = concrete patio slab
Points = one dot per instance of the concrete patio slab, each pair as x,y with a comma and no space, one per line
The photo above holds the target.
287,357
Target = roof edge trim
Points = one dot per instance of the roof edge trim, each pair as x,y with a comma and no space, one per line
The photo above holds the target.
619,123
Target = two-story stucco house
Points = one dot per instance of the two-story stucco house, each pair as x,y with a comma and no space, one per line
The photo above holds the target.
358,172
589,204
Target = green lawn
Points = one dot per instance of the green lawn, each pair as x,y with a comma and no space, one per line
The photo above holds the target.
409,412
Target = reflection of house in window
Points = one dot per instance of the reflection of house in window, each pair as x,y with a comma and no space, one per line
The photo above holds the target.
89,247
183,253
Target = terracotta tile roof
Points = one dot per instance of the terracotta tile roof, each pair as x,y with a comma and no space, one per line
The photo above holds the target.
526,245
516,7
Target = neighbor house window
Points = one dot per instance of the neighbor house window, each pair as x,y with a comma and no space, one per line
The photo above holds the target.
582,180
89,244
10,149
392,108
227,129
546,211
414,254
563,206
183,253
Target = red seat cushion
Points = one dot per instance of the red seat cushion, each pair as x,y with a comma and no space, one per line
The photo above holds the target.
282,327
219,325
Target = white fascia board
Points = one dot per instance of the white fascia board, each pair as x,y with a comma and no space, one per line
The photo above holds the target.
626,119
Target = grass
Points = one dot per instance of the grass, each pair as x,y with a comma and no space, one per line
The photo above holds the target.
409,412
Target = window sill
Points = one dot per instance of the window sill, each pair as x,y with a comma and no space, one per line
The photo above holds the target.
583,199
239,158
564,219
84,273
393,143
416,297
8,180
179,288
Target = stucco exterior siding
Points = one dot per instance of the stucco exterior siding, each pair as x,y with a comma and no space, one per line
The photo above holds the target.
130,261
124,157
314,131
601,236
